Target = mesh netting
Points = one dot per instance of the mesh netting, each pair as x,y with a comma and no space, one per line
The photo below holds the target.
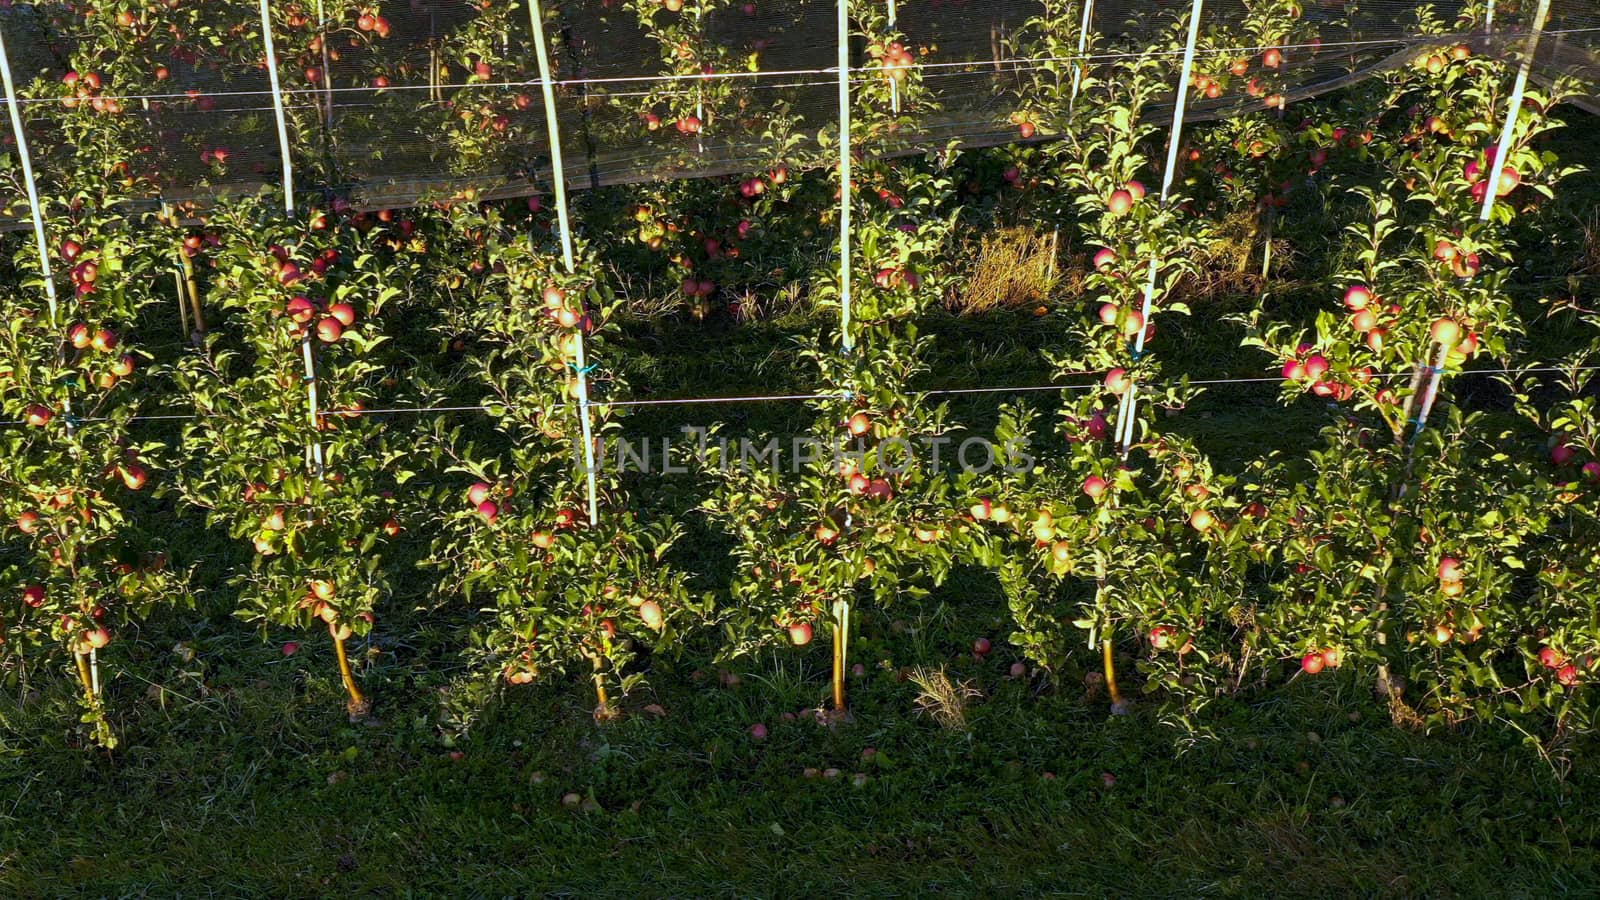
393,104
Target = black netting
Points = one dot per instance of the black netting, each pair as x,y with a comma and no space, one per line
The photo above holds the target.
390,104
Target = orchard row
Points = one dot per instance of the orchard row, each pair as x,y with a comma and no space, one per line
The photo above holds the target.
1446,556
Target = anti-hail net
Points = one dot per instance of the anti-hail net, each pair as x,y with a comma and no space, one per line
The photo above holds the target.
392,103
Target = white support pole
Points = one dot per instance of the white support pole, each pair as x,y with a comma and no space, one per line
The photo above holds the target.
894,86
564,224
277,106
1173,141
1083,48
845,193
1518,89
1488,18
15,108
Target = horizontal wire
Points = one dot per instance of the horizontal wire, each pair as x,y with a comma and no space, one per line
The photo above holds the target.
999,62
767,398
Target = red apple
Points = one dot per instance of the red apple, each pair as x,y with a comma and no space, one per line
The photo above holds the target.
329,330
1095,486
1358,297
1312,663
134,476
1449,569
800,633
344,312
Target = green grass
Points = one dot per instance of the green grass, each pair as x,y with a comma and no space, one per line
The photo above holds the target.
239,776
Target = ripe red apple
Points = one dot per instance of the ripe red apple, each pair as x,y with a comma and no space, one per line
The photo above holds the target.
329,330
28,522
981,509
800,633
1312,663
478,493
1095,486
544,540
758,732
982,646
1201,520
97,637
1562,453
1136,189
1358,297
33,595
826,533
79,336
859,483
123,367
1105,259
489,510
1026,130
858,424
300,309
1450,569
1273,58
1332,657
344,312
1316,366
134,476
1061,552
38,416
1119,203
1551,658
1161,637
322,589
1117,381
290,648
1567,675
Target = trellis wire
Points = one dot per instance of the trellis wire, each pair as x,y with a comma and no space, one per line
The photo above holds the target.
1013,64
557,175
1125,424
777,398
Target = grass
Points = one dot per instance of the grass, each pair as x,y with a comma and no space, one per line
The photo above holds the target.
242,778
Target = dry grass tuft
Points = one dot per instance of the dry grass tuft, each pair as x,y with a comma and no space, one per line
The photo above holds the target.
1015,269
943,699
1587,260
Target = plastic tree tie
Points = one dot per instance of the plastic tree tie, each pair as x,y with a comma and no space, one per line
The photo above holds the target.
585,369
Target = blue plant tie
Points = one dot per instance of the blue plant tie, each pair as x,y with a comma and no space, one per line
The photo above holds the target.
584,370
71,420
308,379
